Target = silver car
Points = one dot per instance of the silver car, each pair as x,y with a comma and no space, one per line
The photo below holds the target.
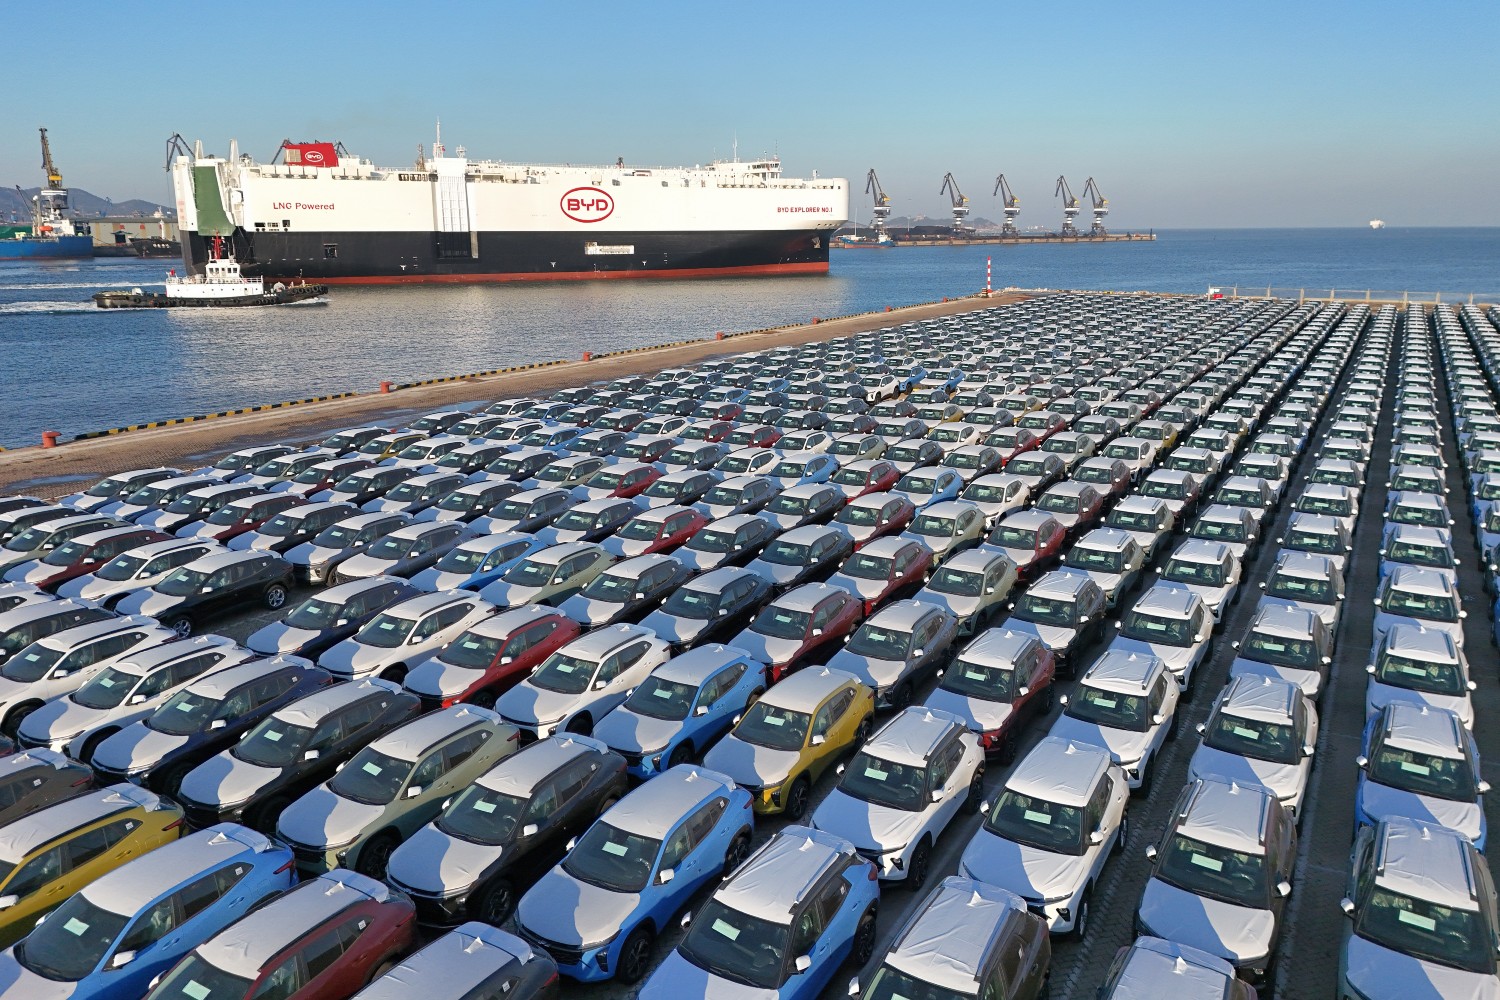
1209,569
580,682
404,552
897,648
1423,666
474,959
1149,520
1125,704
1112,558
1153,967
973,586
1261,731
1307,581
404,634
141,568
316,561
1172,624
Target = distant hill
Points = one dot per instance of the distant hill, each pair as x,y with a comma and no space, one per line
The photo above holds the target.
17,205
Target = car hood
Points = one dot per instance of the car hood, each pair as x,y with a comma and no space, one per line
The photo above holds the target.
866,824
1380,801
859,533
135,747
511,595
1328,612
623,730
1054,637
957,605
701,561
1233,932
765,648
353,658
527,703
1124,746
779,574
365,565
676,977
859,586
32,571
1378,971
590,611
322,818
308,554
624,548
570,911
1379,695
1282,779
434,678
61,719
981,714
1176,658
1027,871
750,763
433,580
432,861
22,984
1308,680
881,673
675,630
148,602
226,780
583,494
278,638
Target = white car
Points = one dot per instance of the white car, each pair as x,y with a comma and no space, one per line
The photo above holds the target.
140,568
1125,704
1209,569
997,494
405,634
1262,731
1171,624
580,682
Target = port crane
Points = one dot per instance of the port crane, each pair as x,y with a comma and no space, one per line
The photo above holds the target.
50,203
1101,207
1011,204
1070,206
959,200
882,210
54,178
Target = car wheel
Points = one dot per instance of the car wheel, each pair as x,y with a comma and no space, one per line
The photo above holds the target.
376,856
1124,833
581,724
864,939
975,798
1085,906
796,798
1009,746
264,817
170,782
635,956
13,721
754,696
739,850
862,733
182,626
916,869
275,596
395,673
1146,774
496,903
1044,705
86,752
901,697
381,970
483,699
682,753
606,804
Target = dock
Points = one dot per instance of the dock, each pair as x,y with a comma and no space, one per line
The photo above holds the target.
971,241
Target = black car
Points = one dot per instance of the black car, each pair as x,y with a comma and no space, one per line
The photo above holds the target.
510,827
684,487
591,521
600,441
291,528
329,617
709,608
359,488
521,464
296,747
218,584
23,625
729,541
36,779
204,718
626,591
472,500
803,555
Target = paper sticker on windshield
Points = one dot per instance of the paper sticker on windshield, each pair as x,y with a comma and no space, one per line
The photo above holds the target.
1107,702
566,668
184,706
1204,861
728,930
76,927
662,693
1416,920
1036,817
273,736
618,850
472,644
876,773
195,990
775,720
1245,734
1411,768
484,807
373,770
975,675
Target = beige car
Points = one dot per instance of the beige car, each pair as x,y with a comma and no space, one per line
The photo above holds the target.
550,576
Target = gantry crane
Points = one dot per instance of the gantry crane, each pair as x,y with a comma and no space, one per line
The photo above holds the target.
1011,204
960,202
882,210
1070,206
1101,207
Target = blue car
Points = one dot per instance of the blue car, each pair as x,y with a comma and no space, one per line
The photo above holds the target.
599,912
682,708
112,939
477,562
1418,761
780,927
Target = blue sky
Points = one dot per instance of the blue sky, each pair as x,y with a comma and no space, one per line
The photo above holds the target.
1188,114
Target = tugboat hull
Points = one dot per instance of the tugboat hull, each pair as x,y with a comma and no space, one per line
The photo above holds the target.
158,300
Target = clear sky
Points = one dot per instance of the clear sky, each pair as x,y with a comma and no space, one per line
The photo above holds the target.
1310,113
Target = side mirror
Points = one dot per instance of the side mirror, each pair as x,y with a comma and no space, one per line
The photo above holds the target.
937,795
1062,700
1283,888
1327,660
1362,762
1023,690
1151,852
687,918
817,632
341,623
920,652
723,612
311,755
1199,637
572,843
854,987
802,964
1307,750
600,685
1483,787
1470,685
701,710
665,875
205,590
1262,585
1235,644
819,739
1201,728
412,791
1096,837
121,959
989,590
136,699
1347,905
1158,719
1463,614
1119,624
6,902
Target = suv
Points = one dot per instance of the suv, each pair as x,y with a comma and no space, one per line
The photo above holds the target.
303,523
995,684
489,658
1209,569
138,569
897,648
1415,595
474,960
783,923
1172,624
709,607
626,591
1048,833
1287,643
404,634
903,788
966,939
404,552
1261,731
316,560
579,683
1221,875
549,576
1421,906
29,622
329,617
1125,704
1065,610
1307,581
1421,762
799,626
1112,558
1152,967
1422,666
35,779
214,585
392,788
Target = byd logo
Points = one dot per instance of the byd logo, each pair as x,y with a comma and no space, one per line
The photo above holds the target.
587,204
312,156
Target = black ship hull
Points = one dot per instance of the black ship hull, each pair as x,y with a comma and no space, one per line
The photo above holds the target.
157,300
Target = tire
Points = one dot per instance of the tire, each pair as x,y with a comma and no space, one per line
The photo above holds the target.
1147,779
918,867
864,939
581,724
376,856
275,596
170,783
605,805
1124,833
1045,705
381,970
1009,747
682,753
739,850
1081,924
484,699
86,752
396,673
12,724
182,626
901,697
796,798
264,816
975,798
635,956
496,903
862,731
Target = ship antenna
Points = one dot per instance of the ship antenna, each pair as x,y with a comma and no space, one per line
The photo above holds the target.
736,146
437,147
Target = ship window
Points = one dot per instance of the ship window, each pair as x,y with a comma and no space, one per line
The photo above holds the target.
286,223
260,225
663,183
615,181
330,251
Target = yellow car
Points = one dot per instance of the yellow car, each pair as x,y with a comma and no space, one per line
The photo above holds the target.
390,445
49,855
797,730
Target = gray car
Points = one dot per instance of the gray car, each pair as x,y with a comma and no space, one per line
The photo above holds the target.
1209,569
329,616
141,568
973,586
1111,557
316,561
473,960
730,541
525,511
404,552
897,648
1152,967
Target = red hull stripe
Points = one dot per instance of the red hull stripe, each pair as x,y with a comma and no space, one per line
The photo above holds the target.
811,267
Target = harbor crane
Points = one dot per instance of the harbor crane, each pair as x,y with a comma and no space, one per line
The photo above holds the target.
51,202
1070,206
882,210
1101,207
960,202
1011,204
54,178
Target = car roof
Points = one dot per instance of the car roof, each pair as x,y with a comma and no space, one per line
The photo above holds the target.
805,690
1203,550
410,741
1423,728
1229,512
1425,860
1157,968
156,657
1261,697
220,682
1421,580
948,942
653,809
1028,518
215,561
1421,643
519,773
1059,583
949,508
1060,770
1419,534
422,604
774,879
697,665
972,560
998,645
23,835
601,642
1111,539
913,734
1314,565
1161,600
1226,813
129,888
453,964
1123,671
807,596
903,614
313,708
417,529
68,638
1136,503
506,622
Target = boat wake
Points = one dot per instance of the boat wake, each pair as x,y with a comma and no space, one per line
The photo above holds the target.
47,308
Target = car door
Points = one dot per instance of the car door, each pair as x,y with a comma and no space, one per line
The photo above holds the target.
946,775
816,933
831,721
37,887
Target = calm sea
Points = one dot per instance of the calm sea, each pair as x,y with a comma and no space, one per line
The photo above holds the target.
70,367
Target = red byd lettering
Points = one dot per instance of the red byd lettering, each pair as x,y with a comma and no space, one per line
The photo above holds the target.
587,204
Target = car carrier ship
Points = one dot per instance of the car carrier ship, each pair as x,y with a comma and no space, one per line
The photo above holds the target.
319,214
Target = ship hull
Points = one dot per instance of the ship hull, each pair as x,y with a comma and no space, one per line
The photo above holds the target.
61,247
352,258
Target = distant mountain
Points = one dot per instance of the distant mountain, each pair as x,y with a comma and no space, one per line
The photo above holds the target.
17,205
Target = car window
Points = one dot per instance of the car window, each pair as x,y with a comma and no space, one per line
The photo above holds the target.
87,846
157,921
545,800
321,952
722,683
573,779
429,770
264,691
199,895
154,684
229,876
464,747
944,764
37,872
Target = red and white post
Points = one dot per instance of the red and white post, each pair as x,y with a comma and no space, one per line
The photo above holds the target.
987,288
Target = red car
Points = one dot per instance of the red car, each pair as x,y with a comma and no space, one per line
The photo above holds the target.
622,480
1033,539
660,529
646,449
887,568
712,431
753,436
873,475
324,939
322,476
719,411
1012,441
87,553
1079,506
875,515
246,514
804,625
987,680
1109,476
487,660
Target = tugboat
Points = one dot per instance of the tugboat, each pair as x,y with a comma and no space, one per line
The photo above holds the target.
221,284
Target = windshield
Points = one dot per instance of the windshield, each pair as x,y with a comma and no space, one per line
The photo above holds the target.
184,713
460,503
612,858
195,979
72,942
31,664
121,567
483,816
65,554
1263,740
991,682
614,588
1314,541
272,743
1415,513
698,605
863,566
1047,610
406,492
885,782
183,582
372,777
385,631
1111,709
934,526
604,481
1423,773
1429,676
282,525
564,673
784,553
1217,872
107,689
859,515
640,529
1442,934
771,726
959,582
1212,574
1008,537
336,536
781,623
1314,590
314,613
662,699
462,560
1027,466
1151,628
1102,560
880,643
1222,530
113,487
736,946
1239,497
530,573
985,493
1433,607
28,540
1034,822
1337,506
1402,552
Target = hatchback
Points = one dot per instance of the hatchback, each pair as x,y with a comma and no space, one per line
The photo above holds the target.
1420,762
1234,526
579,683
1111,558
1261,731
1209,569
1125,704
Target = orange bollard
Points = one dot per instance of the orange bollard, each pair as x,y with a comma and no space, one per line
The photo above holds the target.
816,321
385,387
719,335
49,439
887,308
588,355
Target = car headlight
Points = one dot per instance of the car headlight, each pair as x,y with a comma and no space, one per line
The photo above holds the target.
589,946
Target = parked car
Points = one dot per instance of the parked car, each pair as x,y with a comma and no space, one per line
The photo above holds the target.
1209,569
1172,624
316,560
874,515
1261,731
579,683
897,648
799,627
476,562
548,576
294,526
995,684
403,634
212,586
485,661
626,591
1421,762
402,553
1065,610
35,779
1125,704
1422,666
1153,967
